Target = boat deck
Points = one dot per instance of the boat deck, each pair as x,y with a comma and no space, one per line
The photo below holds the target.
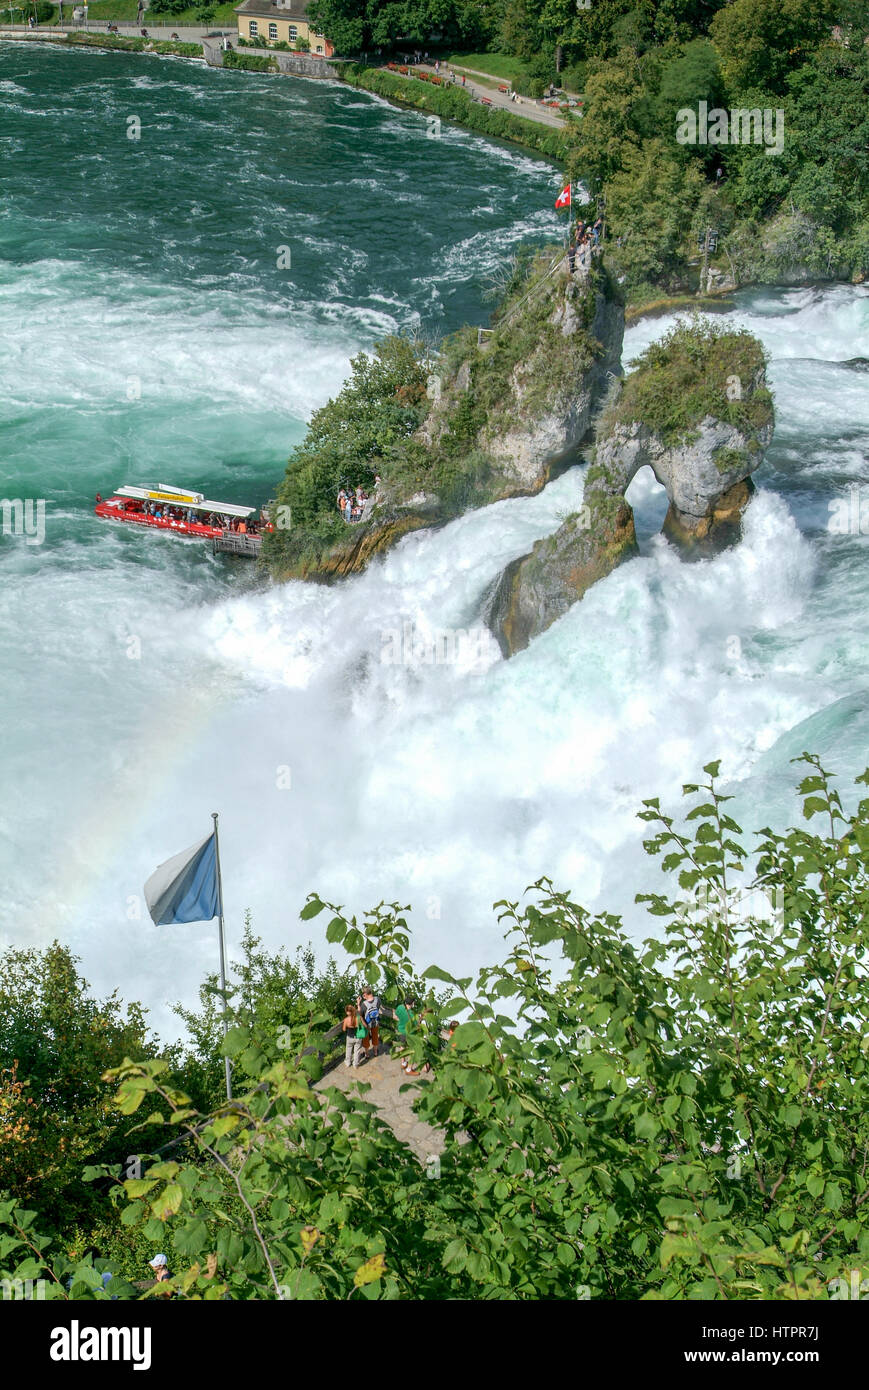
231,543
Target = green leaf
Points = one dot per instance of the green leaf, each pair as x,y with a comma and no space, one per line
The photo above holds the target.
833,1198
455,1256
311,909
137,1187
168,1201
646,1126
336,930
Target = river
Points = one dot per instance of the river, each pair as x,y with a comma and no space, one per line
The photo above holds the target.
151,329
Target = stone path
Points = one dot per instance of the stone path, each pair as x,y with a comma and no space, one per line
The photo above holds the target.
522,106
385,1077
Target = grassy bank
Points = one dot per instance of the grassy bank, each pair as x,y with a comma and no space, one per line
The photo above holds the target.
100,12
452,104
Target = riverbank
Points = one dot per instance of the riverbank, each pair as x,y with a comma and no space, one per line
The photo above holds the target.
452,103
79,38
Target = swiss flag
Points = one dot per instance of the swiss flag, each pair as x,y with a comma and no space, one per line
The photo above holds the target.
563,199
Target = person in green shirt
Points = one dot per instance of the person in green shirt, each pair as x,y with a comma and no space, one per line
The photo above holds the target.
404,1017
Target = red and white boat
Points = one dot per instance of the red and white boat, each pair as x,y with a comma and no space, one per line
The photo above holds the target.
185,513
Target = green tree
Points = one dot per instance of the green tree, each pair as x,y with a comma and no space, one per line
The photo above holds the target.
686,1118
58,1040
651,203
760,41
349,439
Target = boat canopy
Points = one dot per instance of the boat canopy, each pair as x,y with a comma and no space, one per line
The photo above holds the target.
179,497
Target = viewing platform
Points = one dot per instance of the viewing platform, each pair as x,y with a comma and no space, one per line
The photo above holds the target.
231,543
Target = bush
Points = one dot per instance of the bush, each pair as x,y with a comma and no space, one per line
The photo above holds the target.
573,78
676,382
685,1118
249,62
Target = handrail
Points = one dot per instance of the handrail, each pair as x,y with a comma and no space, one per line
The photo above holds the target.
534,288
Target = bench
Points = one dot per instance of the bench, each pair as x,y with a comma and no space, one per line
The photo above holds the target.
403,71
503,89
486,101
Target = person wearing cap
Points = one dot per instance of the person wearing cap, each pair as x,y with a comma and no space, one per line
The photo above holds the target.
160,1266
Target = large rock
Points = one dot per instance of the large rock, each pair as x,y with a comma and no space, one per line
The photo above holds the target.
705,468
538,588
707,481
549,427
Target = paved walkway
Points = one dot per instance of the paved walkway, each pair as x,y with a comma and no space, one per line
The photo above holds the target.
385,1077
522,106
188,33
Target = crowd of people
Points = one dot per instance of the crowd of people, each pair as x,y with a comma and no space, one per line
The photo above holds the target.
361,1029
351,500
585,240
242,526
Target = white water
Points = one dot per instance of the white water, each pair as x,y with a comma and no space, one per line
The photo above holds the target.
145,685
446,785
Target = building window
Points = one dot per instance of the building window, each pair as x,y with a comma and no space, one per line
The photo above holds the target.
294,33
254,28
273,31
319,48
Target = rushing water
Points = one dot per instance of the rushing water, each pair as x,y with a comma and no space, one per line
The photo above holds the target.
149,334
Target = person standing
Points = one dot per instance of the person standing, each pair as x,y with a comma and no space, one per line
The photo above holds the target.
404,1017
370,1008
160,1266
352,1044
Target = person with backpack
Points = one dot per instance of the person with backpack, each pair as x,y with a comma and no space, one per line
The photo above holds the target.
370,1007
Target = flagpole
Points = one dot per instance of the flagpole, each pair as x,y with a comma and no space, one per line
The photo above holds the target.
222,950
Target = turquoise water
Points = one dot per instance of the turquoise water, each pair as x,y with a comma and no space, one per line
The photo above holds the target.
146,332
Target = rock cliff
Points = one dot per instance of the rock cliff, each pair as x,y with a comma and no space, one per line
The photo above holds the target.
698,413
506,410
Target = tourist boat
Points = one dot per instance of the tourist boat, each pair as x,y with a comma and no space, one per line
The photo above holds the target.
185,513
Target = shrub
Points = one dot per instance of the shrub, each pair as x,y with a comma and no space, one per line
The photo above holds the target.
682,1118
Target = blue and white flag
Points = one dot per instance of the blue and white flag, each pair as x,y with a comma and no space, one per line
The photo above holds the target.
185,888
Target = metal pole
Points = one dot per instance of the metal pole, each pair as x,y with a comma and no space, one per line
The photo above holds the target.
222,951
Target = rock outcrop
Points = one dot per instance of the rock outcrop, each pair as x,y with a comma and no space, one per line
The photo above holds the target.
707,480
503,418
547,428
538,588
702,445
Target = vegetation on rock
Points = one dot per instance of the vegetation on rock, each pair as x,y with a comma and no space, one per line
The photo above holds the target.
431,423
697,369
